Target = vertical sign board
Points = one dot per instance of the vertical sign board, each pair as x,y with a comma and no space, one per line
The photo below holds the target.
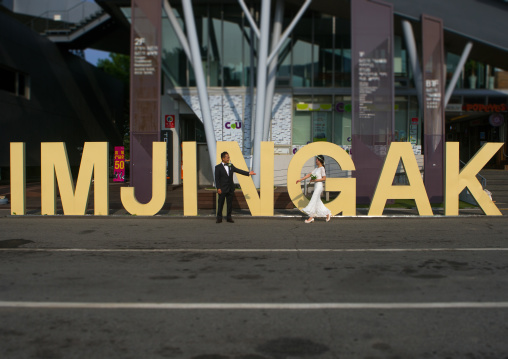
145,92
119,162
433,110
373,91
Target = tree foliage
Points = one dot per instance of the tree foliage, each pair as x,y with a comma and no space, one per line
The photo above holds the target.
118,65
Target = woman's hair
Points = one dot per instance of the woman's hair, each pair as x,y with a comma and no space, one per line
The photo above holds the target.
321,159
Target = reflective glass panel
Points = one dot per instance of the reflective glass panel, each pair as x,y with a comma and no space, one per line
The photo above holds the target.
323,54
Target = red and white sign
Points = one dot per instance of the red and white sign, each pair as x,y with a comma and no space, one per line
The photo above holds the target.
169,121
414,120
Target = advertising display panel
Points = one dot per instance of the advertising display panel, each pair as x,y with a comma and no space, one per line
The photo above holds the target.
372,90
145,93
433,107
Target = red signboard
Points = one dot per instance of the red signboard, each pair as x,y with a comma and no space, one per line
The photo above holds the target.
169,121
476,107
119,160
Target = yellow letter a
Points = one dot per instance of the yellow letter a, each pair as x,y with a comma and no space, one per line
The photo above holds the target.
400,151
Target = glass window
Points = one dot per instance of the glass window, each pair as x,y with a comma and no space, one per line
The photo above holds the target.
249,54
452,61
399,57
414,121
342,53
174,60
15,82
302,53
322,126
342,121
8,80
284,64
233,44
202,28
302,121
323,51
401,119
302,128
215,49
312,120
322,118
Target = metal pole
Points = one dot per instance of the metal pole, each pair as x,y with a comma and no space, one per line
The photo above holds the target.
178,30
413,58
261,88
272,67
251,88
288,30
200,80
458,71
249,17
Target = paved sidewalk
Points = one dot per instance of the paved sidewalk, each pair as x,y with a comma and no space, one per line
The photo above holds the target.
174,205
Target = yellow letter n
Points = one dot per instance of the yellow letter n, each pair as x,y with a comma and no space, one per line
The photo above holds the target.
261,205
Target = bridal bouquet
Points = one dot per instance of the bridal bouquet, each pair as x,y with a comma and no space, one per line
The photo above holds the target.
313,177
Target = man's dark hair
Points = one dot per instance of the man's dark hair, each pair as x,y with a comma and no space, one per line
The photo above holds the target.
223,154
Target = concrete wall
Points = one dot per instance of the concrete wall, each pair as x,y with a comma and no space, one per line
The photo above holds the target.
70,100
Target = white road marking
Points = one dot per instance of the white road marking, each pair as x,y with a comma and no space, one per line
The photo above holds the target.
250,250
255,306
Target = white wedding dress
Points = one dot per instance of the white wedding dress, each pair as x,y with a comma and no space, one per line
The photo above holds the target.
316,208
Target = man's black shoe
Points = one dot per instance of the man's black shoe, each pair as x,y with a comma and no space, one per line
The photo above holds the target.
230,220
219,220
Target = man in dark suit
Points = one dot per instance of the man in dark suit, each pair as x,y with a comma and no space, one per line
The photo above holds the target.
225,186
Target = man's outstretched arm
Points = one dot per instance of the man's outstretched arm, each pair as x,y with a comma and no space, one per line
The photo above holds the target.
242,172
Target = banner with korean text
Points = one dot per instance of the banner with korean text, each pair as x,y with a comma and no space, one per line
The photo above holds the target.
433,107
373,91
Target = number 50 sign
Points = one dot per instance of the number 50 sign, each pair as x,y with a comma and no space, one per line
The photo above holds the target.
119,161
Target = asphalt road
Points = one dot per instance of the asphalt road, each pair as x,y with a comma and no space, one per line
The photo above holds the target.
127,287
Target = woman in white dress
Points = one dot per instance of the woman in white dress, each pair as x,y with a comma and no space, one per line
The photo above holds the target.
316,208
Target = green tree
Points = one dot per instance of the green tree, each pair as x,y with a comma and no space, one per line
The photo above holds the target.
117,65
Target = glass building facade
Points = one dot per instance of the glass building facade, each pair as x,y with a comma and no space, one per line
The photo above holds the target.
312,99
314,68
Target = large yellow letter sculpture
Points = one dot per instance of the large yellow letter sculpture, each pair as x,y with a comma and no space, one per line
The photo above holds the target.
456,180
190,183
400,151
18,179
261,205
346,201
151,208
55,167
